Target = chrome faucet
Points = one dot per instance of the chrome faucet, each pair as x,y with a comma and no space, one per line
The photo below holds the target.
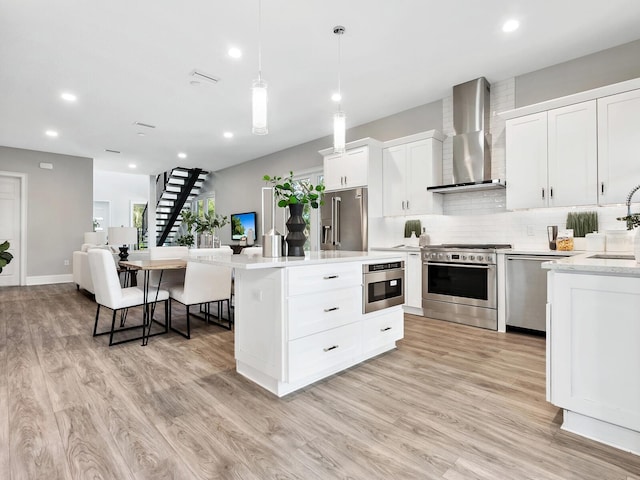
635,189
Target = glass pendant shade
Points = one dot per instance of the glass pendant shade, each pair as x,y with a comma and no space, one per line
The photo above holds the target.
259,104
339,127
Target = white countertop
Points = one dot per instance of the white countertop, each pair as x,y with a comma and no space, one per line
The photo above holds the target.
602,266
247,262
546,253
403,248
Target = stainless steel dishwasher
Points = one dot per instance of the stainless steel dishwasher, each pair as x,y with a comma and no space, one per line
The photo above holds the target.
526,285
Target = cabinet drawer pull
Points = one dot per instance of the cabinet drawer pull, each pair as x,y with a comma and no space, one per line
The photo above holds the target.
543,193
550,192
330,277
385,329
601,188
332,309
330,348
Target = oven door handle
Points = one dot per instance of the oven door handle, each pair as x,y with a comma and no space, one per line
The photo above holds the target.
463,265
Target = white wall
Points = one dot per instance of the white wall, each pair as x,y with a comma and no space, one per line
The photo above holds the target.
120,189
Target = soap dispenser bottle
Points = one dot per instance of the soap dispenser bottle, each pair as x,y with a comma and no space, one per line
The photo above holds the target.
424,238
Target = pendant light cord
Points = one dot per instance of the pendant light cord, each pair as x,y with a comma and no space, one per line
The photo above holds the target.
259,39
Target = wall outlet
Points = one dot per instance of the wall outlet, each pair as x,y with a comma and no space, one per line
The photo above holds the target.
530,230
66,263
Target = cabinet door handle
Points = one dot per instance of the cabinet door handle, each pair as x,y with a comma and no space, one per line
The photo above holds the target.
601,188
407,204
333,347
332,309
330,277
345,179
543,193
403,204
385,329
550,192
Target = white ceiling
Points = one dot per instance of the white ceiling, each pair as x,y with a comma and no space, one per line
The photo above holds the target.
130,61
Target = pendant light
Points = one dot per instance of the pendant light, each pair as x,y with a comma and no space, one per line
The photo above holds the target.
339,118
259,88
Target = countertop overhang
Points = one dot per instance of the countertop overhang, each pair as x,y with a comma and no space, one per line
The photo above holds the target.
246,262
585,263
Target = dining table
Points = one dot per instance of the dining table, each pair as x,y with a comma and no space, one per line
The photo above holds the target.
147,266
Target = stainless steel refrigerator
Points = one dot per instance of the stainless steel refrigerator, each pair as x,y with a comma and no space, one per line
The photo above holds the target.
344,220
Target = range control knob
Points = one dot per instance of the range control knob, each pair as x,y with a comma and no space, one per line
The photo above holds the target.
440,255
448,257
480,258
471,257
464,257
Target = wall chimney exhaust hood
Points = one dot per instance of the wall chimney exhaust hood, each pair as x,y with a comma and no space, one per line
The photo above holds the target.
472,140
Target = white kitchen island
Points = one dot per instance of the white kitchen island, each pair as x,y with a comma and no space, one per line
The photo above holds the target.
298,320
593,347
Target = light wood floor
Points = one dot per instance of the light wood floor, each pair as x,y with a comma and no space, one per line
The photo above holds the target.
452,402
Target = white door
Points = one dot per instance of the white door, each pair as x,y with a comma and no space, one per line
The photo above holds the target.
10,227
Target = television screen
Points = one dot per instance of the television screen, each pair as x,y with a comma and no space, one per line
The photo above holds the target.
241,223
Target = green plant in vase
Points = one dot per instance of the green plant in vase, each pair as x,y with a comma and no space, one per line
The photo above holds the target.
209,224
189,219
295,195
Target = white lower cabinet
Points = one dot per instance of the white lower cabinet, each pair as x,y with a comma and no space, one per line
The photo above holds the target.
413,283
593,357
311,355
296,325
381,329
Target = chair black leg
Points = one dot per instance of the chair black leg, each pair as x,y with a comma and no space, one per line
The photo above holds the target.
95,326
113,326
188,323
167,316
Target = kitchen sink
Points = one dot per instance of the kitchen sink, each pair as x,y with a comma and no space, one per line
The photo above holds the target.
612,256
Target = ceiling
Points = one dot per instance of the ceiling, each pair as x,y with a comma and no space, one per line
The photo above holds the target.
130,61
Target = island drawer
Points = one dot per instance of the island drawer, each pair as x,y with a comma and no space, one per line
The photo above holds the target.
316,312
315,353
380,330
316,278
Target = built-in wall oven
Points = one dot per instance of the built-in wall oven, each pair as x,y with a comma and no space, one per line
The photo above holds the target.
459,284
383,285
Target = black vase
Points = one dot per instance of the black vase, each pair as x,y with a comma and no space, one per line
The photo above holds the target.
296,237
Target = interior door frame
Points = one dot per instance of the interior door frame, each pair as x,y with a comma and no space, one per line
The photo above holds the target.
22,265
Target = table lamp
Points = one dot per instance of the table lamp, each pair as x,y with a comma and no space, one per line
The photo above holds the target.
123,236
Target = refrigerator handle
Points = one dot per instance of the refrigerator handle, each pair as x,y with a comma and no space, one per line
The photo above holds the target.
336,220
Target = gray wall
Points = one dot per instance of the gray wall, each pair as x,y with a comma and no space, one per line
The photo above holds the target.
238,188
60,206
591,71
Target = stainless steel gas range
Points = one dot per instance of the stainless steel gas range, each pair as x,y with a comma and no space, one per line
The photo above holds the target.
459,283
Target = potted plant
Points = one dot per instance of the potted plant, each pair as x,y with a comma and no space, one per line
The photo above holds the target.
5,256
295,195
189,220
208,225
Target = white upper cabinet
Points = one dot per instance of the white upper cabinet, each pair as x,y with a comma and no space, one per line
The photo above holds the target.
552,158
573,155
347,170
618,146
407,170
526,150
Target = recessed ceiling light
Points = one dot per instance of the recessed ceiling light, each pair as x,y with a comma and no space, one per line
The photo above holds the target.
510,26
227,134
336,97
235,52
182,155
132,165
51,133
141,134
69,97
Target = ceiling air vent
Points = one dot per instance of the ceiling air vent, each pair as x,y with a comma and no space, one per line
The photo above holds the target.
198,77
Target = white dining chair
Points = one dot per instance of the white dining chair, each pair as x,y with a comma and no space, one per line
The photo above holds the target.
170,278
111,295
252,251
203,284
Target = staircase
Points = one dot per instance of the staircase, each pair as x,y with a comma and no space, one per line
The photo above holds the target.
173,190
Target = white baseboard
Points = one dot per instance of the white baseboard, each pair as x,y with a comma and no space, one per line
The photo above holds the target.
47,279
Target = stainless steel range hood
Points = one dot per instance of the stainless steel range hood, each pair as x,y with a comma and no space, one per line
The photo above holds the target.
472,141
